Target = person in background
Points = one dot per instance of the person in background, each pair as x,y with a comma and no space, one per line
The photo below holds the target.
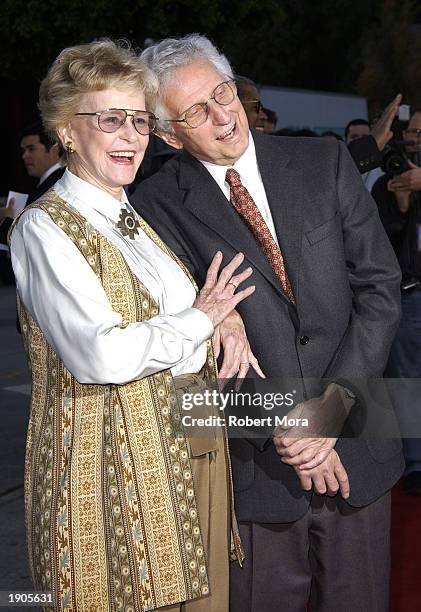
330,135
268,125
123,510
43,160
250,98
399,202
366,146
359,129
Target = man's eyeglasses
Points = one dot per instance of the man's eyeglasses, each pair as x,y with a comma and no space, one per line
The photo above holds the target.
196,115
111,120
258,105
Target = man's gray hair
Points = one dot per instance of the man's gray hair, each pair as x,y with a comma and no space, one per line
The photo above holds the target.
165,57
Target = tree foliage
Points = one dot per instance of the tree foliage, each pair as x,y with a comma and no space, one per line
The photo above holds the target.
392,56
283,42
287,43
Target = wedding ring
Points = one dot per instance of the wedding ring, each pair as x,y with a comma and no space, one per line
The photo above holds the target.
233,284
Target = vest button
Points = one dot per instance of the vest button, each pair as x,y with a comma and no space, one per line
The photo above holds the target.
304,340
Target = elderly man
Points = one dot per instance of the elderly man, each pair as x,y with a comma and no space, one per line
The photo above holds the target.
326,305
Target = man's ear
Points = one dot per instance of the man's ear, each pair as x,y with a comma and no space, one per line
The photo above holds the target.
170,139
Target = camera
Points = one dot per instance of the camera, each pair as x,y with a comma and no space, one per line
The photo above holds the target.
395,160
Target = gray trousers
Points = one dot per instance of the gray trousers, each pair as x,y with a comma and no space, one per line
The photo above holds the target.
334,559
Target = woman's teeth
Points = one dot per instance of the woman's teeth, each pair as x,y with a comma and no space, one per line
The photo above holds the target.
127,154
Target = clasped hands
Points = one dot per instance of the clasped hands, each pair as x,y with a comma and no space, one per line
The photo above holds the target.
310,450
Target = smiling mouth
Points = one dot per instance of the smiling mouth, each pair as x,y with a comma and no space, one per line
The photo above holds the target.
227,134
122,157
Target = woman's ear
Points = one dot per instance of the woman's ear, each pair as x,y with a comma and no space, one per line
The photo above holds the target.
170,139
65,136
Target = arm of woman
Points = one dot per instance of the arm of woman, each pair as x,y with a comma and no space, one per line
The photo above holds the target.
69,304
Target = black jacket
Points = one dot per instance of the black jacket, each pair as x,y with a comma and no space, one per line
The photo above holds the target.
345,279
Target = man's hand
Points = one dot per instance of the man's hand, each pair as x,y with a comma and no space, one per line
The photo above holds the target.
327,478
8,210
308,446
402,196
303,453
407,181
381,131
238,356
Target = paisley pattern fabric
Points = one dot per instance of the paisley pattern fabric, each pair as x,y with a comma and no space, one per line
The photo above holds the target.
110,502
244,204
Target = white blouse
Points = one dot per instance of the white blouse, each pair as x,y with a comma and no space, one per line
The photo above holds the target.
69,304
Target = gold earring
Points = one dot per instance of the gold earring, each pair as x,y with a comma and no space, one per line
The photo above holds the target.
69,147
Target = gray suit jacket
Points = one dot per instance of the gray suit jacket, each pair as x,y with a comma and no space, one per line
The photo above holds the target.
345,280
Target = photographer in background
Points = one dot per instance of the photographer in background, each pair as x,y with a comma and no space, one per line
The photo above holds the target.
398,196
367,144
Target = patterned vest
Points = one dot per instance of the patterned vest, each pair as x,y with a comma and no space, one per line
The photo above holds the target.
110,503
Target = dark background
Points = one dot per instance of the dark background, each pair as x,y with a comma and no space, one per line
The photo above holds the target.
368,47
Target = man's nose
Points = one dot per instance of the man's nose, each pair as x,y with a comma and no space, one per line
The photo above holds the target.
218,112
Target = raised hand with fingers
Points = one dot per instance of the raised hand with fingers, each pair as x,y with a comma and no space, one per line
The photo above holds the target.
219,296
382,130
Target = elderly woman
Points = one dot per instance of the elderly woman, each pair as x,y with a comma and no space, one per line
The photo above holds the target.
123,511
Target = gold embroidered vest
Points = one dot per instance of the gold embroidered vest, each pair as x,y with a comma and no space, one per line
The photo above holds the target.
110,504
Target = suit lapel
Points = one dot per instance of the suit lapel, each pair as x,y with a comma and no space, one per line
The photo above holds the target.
283,186
205,200
45,185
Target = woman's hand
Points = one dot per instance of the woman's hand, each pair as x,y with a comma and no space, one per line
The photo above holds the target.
238,356
217,299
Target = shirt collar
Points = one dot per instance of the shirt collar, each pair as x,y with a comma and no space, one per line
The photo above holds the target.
245,165
49,171
73,189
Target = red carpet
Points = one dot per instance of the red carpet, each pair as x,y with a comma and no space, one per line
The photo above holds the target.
405,588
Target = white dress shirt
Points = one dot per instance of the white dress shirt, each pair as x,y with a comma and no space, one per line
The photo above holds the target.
49,171
68,302
249,172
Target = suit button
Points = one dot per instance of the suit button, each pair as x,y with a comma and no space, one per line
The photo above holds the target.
304,340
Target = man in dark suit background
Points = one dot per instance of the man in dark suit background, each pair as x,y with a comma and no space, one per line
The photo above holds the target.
43,160
326,305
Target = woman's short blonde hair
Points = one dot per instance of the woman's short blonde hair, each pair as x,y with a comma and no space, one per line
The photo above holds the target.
95,66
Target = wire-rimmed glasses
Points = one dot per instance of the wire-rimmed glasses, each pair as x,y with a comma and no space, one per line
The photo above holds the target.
196,115
111,119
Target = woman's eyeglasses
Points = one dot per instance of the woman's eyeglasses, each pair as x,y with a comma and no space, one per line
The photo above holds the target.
112,119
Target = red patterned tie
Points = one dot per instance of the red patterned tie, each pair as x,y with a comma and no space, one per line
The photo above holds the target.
246,207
